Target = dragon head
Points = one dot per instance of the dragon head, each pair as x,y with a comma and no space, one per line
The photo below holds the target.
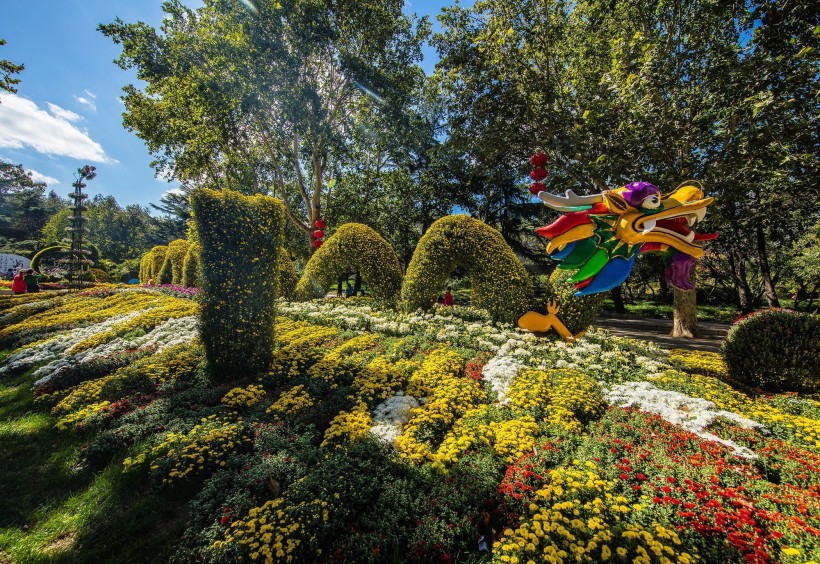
602,234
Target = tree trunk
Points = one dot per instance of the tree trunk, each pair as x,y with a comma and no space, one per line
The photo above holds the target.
685,311
744,293
765,271
357,283
617,299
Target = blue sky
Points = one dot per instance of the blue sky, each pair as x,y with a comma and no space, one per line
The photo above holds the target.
67,111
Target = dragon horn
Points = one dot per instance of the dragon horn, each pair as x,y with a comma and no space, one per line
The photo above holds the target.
569,201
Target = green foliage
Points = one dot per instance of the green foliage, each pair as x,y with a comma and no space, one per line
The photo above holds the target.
145,268
240,238
576,312
99,275
353,244
500,282
157,260
190,266
37,258
171,271
288,279
776,350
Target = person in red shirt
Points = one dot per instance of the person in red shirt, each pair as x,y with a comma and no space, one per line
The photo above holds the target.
18,285
448,297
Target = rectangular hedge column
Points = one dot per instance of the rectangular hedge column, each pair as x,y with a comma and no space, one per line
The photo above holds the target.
240,237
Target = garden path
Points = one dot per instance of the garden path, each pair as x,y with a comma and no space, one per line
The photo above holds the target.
710,335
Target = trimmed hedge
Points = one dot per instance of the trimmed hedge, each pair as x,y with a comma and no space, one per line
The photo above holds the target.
353,244
145,268
35,260
775,350
575,312
171,271
157,260
190,267
288,279
240,239
500,283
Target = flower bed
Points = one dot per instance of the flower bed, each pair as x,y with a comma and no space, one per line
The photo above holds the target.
381,436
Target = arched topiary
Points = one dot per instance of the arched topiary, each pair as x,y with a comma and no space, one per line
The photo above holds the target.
575,312
776,350
190,267
287,276
240,238
500,282
157,260
35,260
353,244
145,268
171,271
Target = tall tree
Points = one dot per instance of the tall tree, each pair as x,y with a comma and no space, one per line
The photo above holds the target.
7,69
263,96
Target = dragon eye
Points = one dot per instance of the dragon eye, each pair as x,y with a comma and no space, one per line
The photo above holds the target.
651,202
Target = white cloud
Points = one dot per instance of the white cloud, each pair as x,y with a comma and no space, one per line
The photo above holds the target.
23,124
90,94
86,102
67,115
38,177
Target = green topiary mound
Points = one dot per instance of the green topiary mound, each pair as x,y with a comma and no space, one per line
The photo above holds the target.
145,268
190,267
576,312
500,283
288,279
157,260
240,239
353,244
171,271
776,350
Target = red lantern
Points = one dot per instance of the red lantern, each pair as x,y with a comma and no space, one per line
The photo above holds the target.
536,187
320,224
539,159
317,243
538,174
318,233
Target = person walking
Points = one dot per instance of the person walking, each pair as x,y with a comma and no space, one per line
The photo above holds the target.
32,281
448,296
18,285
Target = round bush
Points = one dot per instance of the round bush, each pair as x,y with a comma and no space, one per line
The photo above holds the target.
190,267
500,283
240,238
575,312
353,244
775,350
171,271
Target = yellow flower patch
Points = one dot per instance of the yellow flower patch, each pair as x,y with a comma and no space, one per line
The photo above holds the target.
575,517
291,402
244,397
348,426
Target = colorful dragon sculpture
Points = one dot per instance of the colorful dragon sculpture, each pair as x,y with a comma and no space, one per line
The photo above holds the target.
601,235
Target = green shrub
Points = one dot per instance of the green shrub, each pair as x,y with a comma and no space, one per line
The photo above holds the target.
240,238
287,276
171,271
575,312
190,267
99,275
353,244
776,350
145,268
35,260
500,282
157,260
